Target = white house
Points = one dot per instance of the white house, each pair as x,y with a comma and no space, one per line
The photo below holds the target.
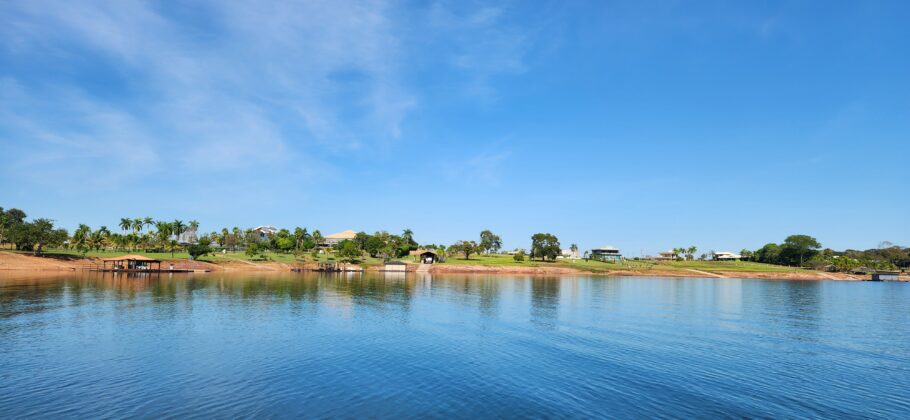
726,256
265,232
606,253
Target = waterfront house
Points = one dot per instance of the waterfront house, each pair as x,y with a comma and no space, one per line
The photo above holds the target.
668,256
606,253
726,256
265,232
335,238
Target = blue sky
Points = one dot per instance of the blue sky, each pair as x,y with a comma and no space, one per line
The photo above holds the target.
646,125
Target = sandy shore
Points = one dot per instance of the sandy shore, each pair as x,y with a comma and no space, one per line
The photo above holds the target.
27,263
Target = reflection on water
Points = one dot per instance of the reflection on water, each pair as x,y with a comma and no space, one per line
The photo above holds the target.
90,345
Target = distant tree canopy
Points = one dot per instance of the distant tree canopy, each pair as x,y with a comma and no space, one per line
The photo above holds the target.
489,242
545,246
796,250
29,236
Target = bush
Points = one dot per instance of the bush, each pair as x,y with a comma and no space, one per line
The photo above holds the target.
198,250
519,256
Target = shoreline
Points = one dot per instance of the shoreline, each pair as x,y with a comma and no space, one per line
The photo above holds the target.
22,263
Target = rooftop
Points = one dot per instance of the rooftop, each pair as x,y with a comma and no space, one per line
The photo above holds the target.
132,258
348,234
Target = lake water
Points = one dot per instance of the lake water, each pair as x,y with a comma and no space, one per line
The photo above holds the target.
93,346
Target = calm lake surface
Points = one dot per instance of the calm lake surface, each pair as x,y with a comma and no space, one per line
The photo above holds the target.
213,345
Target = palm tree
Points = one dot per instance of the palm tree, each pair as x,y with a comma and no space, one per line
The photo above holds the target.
690,252
148,222
178,228
193,227
679,252
126,223
235,238
96,240
118,240
317,237
80,237
408,236
138,223
299,234
172,247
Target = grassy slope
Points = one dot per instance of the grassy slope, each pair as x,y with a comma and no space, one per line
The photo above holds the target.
598,266
486,260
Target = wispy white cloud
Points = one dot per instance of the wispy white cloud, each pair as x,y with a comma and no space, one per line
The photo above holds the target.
253,87
481,43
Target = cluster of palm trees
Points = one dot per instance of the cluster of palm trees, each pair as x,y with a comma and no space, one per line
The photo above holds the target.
687,253
166,236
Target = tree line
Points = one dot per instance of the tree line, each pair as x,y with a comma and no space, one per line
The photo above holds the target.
806,251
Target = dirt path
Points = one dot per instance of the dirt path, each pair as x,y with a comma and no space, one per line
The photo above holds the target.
706,273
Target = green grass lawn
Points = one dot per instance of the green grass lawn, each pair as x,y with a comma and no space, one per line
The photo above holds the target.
741,266
485,260
599,266
507,260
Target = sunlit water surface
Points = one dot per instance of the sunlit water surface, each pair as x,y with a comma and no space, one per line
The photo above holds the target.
95,346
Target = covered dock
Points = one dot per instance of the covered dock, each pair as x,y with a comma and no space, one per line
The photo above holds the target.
131,263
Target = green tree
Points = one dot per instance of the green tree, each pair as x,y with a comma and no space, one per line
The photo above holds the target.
284,244
80,238
34,235
407,239
489,242
347,251
198,250
177,228
317,238
125,223
12,223
252,249
172,246
747,254
97,239
138,223
804,246
163,232
465,248
299,235
690,252
373,245
545,246
769,254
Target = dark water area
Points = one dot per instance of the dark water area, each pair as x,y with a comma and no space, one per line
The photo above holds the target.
368,345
